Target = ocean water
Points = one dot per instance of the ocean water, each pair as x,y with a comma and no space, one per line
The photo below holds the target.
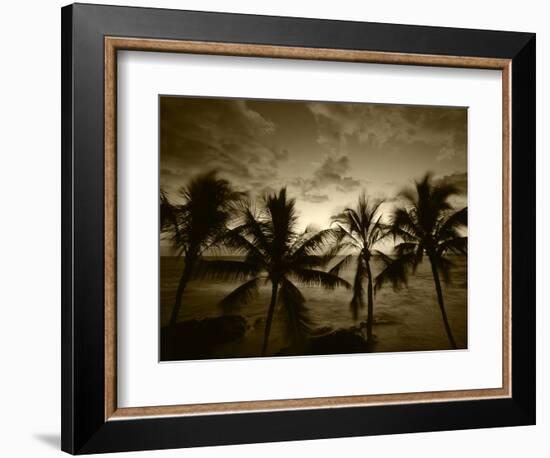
406,320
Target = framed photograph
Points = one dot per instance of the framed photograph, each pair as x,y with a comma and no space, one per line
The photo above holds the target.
281,228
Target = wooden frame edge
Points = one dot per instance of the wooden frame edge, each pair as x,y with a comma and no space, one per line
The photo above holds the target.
128,413
111,46
291,52
507,227
110,235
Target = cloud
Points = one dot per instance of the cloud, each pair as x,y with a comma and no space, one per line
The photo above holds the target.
446,152
229,136
458,180
331,173
222,134
315,198
391,127
281,155
263,190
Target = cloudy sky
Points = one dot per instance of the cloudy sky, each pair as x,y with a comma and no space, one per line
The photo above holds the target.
324,153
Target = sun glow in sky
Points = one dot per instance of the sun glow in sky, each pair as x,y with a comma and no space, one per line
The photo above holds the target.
325,153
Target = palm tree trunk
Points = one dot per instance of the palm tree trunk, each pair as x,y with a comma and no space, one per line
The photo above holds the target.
370,303
270,313
184,279
441,303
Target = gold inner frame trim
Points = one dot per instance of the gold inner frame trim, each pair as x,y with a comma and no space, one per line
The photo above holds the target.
114,44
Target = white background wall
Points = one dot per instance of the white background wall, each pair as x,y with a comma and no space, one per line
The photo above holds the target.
30,227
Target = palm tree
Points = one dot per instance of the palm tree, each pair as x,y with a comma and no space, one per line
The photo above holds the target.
359,230
426,225
197,223
274,253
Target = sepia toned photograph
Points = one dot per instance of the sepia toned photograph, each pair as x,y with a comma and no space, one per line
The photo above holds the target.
298,228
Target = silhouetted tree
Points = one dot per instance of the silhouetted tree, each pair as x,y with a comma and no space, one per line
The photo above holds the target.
428,226
274,252
359,230
195,225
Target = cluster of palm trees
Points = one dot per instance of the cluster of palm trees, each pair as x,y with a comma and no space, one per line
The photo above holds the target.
271,251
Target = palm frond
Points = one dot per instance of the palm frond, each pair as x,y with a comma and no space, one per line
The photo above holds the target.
335,250
453,222
225,270
361,224
395,270
375,232
404,226
456,245
167,213
343,233
281,222
313,277
432,202
241,295
348,219
341,265
306,262
296,314
413,250
405,248
237,243
208,205
384,232
373,215
256,229
311,244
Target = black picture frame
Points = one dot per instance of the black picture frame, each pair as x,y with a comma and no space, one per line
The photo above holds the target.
84,428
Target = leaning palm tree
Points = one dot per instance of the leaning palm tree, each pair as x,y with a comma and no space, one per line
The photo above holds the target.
427,225
274,252
194,225
359,229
